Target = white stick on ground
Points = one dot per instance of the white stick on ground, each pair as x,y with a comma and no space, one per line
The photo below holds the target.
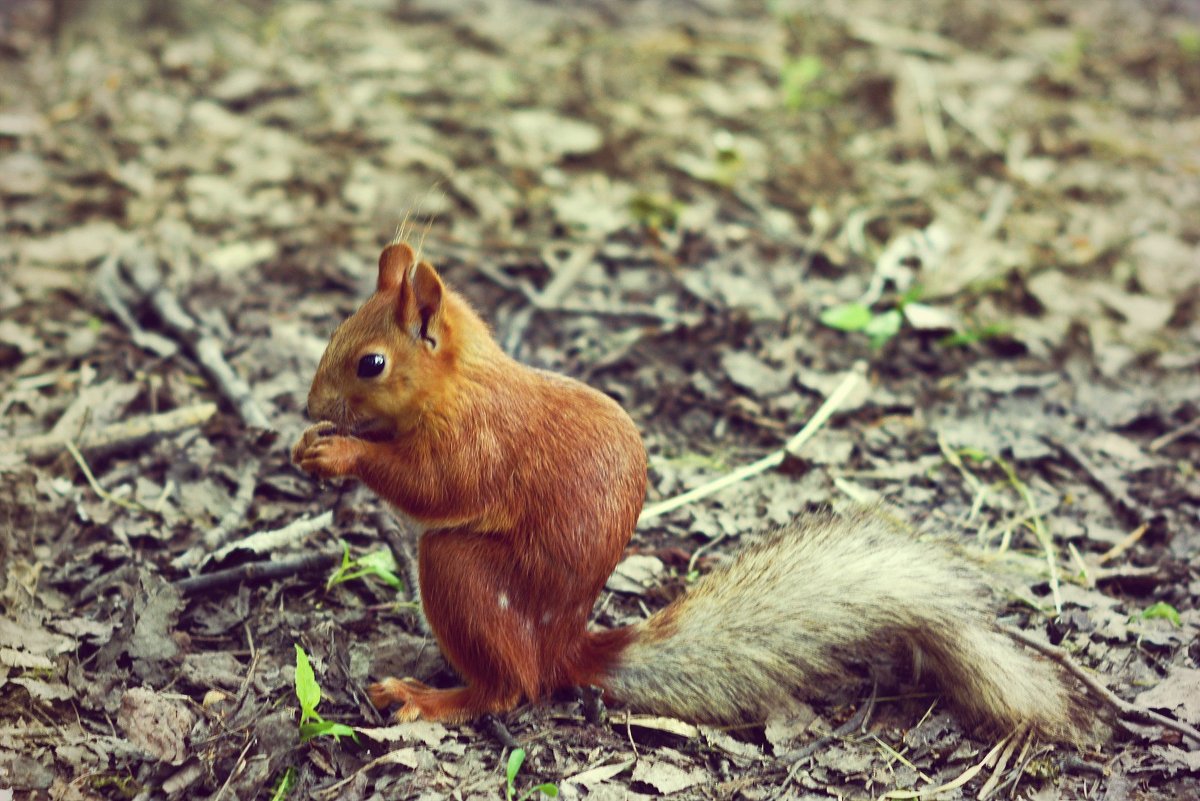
827,409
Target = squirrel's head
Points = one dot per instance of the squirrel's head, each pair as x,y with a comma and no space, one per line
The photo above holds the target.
385,364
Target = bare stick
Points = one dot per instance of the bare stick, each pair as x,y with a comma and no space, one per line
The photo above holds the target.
1125,544
107,280
247,483
290,534
117,435
1124,708
831,405
205,347
258,571
1166,439
216,537
929,108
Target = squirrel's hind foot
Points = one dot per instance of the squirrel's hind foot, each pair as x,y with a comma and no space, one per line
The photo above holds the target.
419,701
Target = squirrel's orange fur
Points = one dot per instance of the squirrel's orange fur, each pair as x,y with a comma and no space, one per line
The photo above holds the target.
527,486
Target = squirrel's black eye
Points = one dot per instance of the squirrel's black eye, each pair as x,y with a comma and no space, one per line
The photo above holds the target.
370,365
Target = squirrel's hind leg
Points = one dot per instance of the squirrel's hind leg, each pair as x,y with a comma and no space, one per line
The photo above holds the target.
420,701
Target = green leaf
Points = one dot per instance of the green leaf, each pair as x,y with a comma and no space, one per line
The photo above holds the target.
1188,41
339,575
797,81
971,336
515,760
285,784
884,327
1164,610
323,728
308,692
911,295
847,317
382,563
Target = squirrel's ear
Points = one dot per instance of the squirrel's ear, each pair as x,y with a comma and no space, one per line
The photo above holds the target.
394,264
421,304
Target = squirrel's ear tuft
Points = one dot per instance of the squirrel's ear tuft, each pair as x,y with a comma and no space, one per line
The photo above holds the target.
394,264
421,303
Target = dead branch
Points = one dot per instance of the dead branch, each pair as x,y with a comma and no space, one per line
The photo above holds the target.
259,571
112,437
108,281
263,541
1124,709
216,537
204,346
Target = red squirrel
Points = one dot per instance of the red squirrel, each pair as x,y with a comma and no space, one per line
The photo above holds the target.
527,486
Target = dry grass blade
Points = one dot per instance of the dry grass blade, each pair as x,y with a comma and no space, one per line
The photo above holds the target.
963,778
827,409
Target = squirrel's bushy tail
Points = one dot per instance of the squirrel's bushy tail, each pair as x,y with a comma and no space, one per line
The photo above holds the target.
793,609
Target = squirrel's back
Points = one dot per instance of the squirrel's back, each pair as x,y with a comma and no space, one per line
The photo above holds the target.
792,610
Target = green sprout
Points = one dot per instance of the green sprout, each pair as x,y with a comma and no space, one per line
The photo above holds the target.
285,784
1188,41
975,335
656,211
879,327
308,693
1163,610
515,760
799,82
381,564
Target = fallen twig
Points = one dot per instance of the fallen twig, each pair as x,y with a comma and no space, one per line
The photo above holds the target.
1166,439
1124,708
216,537
205,347
1125,544
831,405
929,108
111,437
259,571
107,280
274,539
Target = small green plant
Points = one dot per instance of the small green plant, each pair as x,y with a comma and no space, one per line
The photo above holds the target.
1188,41
515,760
284,786
880,327
657,211
308,693
1163,610
800,83
381,564
975,335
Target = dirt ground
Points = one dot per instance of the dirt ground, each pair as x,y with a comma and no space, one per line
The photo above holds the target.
711,210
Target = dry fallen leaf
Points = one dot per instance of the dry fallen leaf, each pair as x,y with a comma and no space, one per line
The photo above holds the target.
156,724
1178,693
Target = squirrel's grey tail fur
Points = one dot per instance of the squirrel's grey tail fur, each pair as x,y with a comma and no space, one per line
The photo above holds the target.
793,609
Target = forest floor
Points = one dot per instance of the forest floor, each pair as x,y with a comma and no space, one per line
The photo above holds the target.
713,211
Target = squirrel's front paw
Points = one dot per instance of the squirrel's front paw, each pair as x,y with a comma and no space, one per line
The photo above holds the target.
327,455
311,434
